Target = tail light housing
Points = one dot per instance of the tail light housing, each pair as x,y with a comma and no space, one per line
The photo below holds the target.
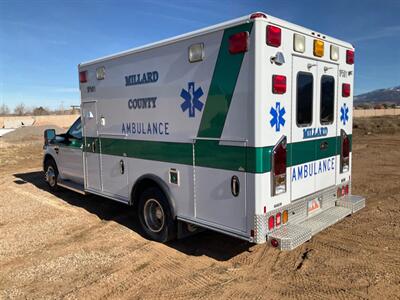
271,222
350,57
344,152
278,172
278,84
345,90
274,36
239,42
83,76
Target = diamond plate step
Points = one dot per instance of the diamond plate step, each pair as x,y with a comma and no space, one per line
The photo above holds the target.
353,202
293,235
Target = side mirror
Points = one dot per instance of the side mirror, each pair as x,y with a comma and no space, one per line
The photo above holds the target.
49,135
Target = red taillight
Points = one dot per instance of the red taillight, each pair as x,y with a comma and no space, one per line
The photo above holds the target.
345,152
280,160
274,35
83,76
271,222
350,57
278,172
278,84
345,90
239,42
346,189
258,15
274,243
278,219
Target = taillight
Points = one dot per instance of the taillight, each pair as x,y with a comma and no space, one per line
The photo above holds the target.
345,90
278,84
274,35
278,219
239,42
345,152
350,57
271,222
83,76
278,171
346,189
258,15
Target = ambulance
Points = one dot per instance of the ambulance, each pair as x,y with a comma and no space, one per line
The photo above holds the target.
244,128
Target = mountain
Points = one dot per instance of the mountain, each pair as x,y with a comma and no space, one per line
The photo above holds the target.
389,96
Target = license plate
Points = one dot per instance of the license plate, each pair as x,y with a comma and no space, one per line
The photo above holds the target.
313,205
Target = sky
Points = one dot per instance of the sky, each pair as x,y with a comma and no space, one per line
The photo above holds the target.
42,42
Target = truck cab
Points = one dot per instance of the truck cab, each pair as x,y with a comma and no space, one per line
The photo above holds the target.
63,158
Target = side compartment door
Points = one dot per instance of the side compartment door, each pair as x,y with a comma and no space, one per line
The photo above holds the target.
91,146
215,202
326,107
302,149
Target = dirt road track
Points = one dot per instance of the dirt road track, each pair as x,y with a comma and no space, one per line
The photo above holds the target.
74,247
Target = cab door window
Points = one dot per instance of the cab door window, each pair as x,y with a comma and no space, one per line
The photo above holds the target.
304,99
327,99
76,130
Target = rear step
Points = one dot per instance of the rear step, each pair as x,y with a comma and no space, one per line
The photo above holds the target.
292,235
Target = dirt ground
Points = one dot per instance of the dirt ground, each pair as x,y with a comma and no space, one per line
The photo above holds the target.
74,247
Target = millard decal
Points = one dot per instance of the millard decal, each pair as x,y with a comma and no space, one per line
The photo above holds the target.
314,132
141,78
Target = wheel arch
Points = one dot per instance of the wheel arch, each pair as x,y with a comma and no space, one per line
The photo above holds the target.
46,157
148,180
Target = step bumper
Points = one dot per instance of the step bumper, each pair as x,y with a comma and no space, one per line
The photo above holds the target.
291,236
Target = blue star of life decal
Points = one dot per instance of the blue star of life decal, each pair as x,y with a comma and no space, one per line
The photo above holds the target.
277,114
192,99
344,114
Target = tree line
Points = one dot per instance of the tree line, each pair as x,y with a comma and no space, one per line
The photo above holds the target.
22,110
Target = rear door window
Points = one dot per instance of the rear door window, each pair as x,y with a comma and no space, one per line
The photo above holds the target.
304,99
327,99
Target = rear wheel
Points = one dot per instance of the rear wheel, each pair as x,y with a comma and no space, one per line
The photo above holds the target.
155,215
51,174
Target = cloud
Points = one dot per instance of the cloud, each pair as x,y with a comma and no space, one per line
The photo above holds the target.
384,32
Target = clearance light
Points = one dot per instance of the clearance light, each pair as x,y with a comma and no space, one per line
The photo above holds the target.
100,73
334,52
83,76
285,216
196,52
350,57
271,222
258,15
239,42
299,43
345,90
278,84
274,35
274,243
318,48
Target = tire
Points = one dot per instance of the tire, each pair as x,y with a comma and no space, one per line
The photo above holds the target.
155,215
51,174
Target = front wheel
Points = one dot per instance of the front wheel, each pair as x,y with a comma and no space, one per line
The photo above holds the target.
155,215
51,174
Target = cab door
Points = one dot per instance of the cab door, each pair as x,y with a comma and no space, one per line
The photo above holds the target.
327,87
302,151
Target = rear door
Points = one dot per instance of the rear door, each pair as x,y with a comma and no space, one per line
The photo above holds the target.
327,121
302,149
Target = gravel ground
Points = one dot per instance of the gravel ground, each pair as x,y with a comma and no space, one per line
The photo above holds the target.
70,246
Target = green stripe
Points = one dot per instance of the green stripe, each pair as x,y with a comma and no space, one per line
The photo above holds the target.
211,154
222,85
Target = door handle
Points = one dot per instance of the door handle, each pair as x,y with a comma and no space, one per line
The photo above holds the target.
122,166
94,146
309,66
323,145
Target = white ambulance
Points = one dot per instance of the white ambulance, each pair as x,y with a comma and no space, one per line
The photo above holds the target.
244,128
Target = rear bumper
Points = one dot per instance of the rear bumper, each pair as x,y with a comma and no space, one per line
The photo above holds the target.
300,227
